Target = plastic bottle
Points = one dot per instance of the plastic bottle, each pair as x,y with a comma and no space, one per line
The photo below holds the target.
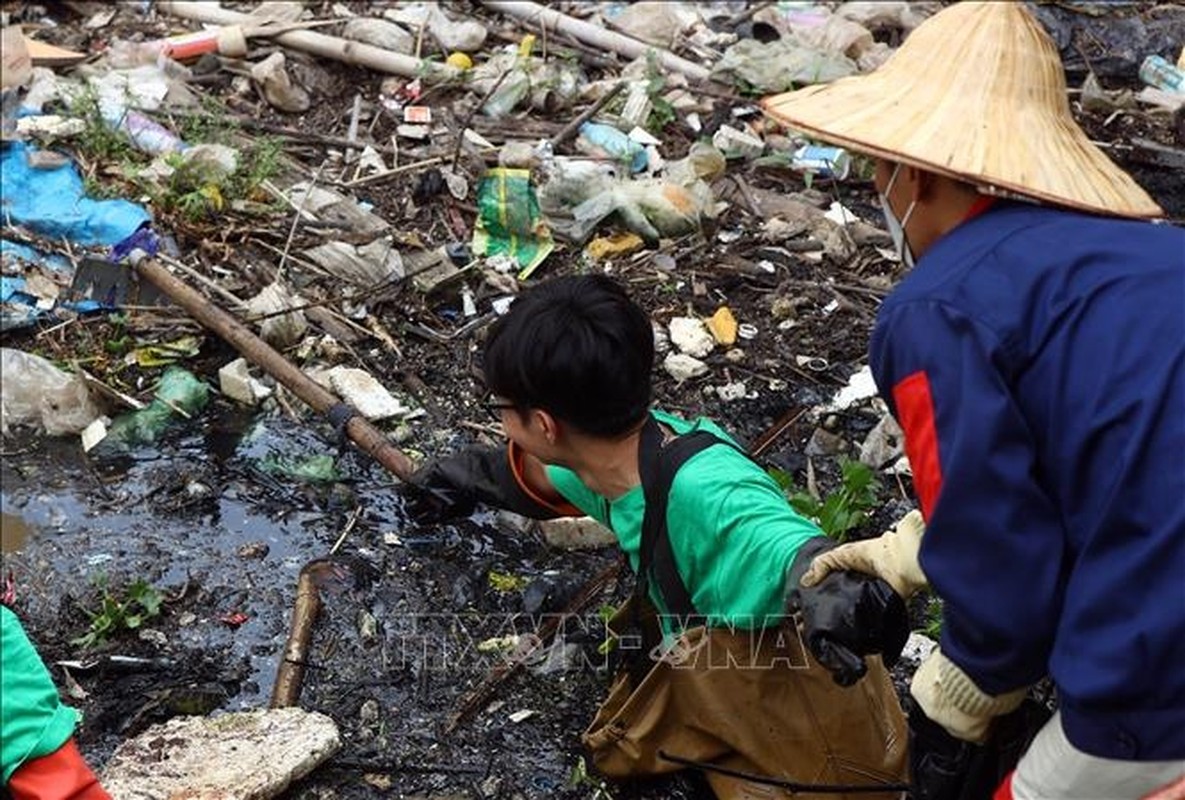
1160,73
614,144
146,134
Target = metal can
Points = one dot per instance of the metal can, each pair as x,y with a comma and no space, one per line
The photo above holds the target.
823,161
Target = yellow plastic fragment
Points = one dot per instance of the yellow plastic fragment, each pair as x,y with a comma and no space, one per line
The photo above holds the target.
620,244
723,326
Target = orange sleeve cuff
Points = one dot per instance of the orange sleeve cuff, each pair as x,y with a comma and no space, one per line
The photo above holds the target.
61,775
558,505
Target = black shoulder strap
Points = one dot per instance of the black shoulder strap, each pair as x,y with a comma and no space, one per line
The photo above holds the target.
657,466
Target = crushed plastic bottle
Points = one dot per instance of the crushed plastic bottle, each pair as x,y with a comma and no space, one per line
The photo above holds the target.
607,141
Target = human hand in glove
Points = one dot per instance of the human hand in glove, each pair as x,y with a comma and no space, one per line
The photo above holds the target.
892,557
963,741
846,615
448,488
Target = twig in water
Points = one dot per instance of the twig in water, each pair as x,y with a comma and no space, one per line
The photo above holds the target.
350,523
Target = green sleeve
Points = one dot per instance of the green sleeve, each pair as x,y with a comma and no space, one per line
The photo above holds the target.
734,536
34,721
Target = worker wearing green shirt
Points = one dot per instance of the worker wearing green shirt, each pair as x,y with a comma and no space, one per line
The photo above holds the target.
38,757
723,683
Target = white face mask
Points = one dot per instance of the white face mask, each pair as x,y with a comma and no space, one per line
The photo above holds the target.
897,229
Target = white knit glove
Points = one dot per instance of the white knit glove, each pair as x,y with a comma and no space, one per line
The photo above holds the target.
892,557
949,697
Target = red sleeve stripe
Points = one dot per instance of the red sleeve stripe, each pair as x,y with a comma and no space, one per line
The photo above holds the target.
915,412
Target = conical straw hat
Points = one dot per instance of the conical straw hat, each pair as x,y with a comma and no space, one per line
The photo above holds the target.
977,93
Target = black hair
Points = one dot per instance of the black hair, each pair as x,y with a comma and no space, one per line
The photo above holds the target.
577,347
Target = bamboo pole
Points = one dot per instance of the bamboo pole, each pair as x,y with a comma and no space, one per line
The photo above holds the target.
368,438
363,55
591,34
290,675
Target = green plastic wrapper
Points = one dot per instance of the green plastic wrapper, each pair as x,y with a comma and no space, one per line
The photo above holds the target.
179,391
509,220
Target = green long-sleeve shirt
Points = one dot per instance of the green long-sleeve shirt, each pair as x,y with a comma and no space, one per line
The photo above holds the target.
33,721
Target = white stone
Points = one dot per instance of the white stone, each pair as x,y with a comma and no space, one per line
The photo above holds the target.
361,390
245,755
691,336
236,382
731,391
681,366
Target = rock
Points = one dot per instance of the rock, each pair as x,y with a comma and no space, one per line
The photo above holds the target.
691,336
825,443
235,382
245,755
681,366
576,533
361,390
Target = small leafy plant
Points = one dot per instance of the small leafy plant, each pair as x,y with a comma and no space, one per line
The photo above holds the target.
840,511
933,626
140,601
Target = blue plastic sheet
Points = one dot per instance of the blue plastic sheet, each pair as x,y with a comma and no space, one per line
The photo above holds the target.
51,202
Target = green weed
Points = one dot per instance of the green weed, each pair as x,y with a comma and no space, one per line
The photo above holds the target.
139,602
98,142
662,113
842,510
933,626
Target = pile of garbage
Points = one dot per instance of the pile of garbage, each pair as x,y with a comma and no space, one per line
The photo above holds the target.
346,185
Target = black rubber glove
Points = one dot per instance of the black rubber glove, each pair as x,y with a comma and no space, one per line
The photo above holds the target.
938,762
452,487
846,616
942,767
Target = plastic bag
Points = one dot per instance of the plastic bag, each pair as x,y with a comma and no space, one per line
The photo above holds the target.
35,392
179,391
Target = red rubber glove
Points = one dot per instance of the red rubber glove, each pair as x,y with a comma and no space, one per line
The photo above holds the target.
61,775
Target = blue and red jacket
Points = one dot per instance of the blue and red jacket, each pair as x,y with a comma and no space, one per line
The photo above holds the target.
1035,359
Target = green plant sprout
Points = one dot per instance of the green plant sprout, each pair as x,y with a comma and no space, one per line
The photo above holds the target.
140,601
842,510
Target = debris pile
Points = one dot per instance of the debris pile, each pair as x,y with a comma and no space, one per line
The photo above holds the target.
307,215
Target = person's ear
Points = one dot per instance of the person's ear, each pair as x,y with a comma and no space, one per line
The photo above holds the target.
548,424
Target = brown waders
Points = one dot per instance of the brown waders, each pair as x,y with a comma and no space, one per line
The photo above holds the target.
753,701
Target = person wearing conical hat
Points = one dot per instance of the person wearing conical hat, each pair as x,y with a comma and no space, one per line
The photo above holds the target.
1034,356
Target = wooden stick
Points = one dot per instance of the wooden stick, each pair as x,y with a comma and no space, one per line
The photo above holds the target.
290,674
368,438
598,37
571,129
363,55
